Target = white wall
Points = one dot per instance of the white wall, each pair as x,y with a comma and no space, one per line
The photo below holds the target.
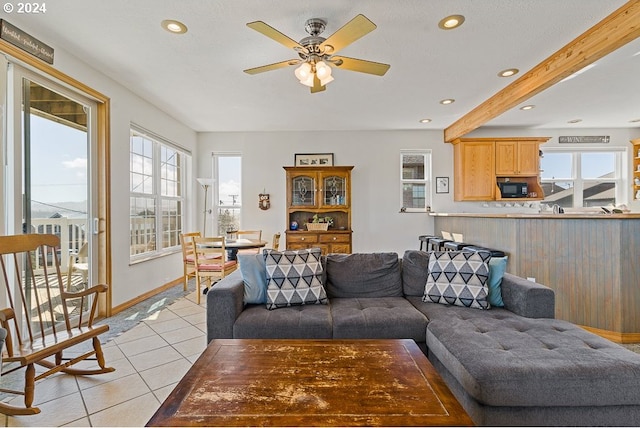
376,221
128,281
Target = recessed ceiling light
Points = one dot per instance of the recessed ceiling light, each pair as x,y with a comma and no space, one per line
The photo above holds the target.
574,121
634,120
529,107
508,72
425,120
450,22
173,26
447,101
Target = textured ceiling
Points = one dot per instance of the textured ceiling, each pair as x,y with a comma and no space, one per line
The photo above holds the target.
197,77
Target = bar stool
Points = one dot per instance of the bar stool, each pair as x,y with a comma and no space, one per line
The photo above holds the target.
494,253
424,240
436,244
454,246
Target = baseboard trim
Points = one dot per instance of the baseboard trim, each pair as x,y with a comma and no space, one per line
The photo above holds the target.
615,336
145,296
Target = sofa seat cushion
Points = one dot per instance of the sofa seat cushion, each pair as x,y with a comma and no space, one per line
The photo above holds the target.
292,322
503,360
377,318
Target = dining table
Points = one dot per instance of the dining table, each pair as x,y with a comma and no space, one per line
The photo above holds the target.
233,245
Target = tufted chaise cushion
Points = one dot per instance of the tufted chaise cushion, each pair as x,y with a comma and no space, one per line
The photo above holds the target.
493,354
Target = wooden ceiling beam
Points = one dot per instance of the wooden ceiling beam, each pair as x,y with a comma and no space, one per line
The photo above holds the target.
614,31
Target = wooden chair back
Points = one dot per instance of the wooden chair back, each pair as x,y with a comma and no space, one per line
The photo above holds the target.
211,262
276,241
188,256
250,234
42,318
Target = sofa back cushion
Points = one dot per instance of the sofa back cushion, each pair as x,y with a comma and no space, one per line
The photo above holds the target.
415,269
363,275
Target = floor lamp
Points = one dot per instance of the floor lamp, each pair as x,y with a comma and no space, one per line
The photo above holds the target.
205,183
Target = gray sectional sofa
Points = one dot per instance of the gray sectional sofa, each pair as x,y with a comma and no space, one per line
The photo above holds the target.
511,365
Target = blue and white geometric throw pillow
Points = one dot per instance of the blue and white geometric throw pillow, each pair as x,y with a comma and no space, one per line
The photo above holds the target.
294,278
458,278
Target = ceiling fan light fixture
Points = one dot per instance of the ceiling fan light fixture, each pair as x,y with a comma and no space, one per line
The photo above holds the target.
326,80
308,81
322,70
304,71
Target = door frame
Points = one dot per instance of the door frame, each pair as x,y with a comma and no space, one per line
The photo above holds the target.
102,154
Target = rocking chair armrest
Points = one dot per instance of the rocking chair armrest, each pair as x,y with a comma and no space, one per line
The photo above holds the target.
6,314
96,289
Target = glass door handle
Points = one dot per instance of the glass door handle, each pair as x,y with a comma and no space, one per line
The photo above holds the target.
96,224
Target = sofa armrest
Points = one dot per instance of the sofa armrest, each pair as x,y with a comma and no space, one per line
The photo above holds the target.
225,302
526,298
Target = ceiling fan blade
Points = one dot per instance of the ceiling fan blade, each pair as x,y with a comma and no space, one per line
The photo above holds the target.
270,67
317,86
276,35
349,33
361,65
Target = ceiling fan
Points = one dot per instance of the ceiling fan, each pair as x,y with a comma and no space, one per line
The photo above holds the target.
317,54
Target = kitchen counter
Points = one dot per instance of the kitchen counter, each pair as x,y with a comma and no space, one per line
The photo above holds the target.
590,260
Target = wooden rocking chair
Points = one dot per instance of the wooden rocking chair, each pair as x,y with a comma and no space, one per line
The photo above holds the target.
43,319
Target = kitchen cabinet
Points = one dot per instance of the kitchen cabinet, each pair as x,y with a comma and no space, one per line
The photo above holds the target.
516,158
481,163
324,192
474,170
636,169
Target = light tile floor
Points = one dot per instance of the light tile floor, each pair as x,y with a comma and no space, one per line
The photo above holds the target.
149,360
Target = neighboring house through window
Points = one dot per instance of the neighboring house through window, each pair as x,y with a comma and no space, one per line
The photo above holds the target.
157,180
415,170
583,178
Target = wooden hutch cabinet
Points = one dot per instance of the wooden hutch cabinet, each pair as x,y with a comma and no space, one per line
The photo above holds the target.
324,192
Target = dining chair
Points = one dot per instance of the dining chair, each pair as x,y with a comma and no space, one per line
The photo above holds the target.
211,261
276,241
250,234
188,256
78,263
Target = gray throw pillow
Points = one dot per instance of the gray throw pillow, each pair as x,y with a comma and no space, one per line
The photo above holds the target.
458,278
294,278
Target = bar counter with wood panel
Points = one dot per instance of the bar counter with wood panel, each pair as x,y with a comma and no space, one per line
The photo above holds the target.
590,260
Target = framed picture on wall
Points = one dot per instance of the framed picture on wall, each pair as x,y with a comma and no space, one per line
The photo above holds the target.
313,159
442,184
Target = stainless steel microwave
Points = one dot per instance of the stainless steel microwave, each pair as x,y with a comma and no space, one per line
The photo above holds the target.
512,189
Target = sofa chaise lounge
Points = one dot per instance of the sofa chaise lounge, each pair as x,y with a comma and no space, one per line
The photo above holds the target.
511,365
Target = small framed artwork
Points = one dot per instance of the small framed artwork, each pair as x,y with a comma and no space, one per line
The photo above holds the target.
442,184
313,159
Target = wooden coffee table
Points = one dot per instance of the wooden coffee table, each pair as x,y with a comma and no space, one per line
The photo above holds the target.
246,382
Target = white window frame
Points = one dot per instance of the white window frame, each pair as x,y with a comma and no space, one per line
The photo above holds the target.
159,142
620,178
426,181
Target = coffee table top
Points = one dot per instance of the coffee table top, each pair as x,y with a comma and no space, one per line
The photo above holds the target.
247,382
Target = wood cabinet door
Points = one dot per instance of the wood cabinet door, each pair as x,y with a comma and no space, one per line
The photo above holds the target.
506,158
528,158
474,170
